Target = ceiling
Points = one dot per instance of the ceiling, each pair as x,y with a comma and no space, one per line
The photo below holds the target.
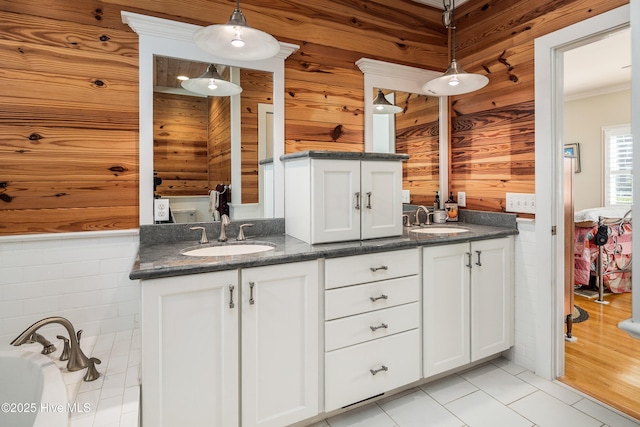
598,67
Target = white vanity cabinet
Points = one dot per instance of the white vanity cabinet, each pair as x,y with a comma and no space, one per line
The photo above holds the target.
372,320
468,309
190,357
333,200
280,340
201,333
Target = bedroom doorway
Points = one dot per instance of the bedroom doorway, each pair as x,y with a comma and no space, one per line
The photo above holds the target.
603,361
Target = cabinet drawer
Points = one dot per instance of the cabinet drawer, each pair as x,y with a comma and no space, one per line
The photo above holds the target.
370,267
358,299
368,326
348,376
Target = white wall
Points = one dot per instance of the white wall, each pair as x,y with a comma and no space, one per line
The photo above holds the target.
523,353
583,122
81,276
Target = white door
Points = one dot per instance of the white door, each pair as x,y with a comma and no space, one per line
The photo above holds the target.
280,320
336,200
445,299
381,192
190,350
492,284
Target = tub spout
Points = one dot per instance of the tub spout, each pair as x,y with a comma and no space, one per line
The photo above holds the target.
77,359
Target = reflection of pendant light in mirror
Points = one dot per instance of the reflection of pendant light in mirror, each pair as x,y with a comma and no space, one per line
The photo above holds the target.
382,106
211,84
236,40
455,81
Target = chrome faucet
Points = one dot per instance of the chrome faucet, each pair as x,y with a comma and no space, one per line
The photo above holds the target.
426,211
77,359
224,220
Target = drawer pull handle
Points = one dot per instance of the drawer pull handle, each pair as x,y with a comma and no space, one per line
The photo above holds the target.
231,304
380,369
468,264
479,263
382,326
369,200
358,200
382,267
251,300
374,299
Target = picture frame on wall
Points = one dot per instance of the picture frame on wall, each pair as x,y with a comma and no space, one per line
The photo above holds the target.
573,151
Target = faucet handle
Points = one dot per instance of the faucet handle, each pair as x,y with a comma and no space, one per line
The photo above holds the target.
241,235
66,349
92,373
203,237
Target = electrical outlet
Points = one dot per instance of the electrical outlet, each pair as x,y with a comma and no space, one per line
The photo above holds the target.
521,202
406,196
462,199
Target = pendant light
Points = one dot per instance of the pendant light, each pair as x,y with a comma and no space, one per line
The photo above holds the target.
236,40
211,84
455,81
382,106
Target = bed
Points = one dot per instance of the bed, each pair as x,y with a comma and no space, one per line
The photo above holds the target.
607,266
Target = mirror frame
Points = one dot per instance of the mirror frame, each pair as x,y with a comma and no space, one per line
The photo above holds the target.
387,75
165,37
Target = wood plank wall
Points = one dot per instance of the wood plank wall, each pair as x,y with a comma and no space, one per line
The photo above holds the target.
69,98
180,144
492,144
219,157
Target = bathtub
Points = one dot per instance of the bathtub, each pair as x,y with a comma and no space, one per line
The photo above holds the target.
32,391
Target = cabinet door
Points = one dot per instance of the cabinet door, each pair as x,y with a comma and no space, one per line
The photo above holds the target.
190,350
336,200
445,307
280,321
381,199
492,283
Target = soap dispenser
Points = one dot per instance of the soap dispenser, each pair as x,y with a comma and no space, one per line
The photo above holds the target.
436,202
452,208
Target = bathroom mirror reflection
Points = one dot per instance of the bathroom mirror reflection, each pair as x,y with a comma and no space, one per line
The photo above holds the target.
197,139
414,131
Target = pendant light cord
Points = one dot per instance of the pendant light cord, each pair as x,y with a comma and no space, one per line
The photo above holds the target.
449,22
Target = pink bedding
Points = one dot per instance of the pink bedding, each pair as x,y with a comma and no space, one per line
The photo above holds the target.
616,256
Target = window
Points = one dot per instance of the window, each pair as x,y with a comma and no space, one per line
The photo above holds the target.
618,159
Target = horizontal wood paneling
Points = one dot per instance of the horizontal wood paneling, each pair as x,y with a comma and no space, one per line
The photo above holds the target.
72,67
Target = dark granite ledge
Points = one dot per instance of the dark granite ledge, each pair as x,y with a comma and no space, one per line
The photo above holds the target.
164,259
344,155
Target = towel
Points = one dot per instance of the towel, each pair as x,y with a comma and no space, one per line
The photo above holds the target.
214,201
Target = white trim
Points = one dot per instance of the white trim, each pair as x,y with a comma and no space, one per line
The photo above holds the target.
549,191
387,75
175,39
68,236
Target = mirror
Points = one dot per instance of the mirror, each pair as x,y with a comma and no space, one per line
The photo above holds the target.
420,130
193,136
171,39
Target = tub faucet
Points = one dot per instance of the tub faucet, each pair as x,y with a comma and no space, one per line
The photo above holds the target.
224,220
77,359
426,211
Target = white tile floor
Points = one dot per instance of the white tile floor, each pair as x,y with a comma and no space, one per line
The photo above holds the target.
495,394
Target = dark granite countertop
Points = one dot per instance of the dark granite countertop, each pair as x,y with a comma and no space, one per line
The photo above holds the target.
165,259
344,155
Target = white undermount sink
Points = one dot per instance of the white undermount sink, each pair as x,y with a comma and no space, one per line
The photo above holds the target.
228,250
439,230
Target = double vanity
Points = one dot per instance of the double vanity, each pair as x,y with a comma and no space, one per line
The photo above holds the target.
299,330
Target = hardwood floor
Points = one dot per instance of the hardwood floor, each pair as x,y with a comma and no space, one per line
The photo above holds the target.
605,361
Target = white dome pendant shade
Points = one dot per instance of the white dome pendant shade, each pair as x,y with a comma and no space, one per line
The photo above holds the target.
211,84
382,106
455,81
236,40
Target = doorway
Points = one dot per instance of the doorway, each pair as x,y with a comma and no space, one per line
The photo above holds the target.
550,229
